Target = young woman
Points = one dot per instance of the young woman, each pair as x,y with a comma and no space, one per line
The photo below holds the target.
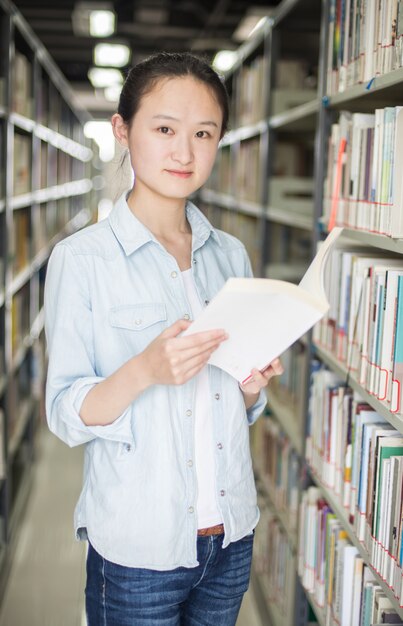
168,503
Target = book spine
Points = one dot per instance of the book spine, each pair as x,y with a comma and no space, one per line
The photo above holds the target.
397,377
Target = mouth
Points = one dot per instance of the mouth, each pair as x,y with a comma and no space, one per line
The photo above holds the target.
179,173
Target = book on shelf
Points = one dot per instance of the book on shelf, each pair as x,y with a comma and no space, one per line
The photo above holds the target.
340,582
363,186
274,562
241,225
278,469
20,317
249,103
43,165
348,439
364,42
22,163
248,187
21,93
221,176
22,239
360,327
289,389
397,372
263,317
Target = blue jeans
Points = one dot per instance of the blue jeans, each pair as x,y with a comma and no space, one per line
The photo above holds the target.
209,594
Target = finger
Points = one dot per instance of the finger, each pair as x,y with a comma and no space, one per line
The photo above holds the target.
202,340
196,362
188,352
274,369
200,358
176,328
195,369
277,367
260,378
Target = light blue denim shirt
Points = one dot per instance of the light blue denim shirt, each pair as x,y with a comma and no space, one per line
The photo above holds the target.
110,290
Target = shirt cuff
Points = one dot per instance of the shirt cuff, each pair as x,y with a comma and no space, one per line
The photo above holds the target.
257,409
120,430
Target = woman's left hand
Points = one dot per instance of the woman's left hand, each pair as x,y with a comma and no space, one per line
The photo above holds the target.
260,379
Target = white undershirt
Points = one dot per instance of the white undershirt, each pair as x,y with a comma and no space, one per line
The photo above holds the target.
208,513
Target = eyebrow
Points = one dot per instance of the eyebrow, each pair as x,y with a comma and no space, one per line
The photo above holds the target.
175,119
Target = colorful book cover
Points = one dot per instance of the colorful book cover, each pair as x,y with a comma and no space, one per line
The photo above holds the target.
387,449
396,405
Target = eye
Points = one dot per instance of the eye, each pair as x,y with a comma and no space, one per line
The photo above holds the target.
164,130
201,134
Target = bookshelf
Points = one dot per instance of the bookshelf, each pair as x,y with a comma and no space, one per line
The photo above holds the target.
353,93
262,191
306,79
46,193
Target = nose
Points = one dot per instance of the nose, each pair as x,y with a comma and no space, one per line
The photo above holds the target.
182,150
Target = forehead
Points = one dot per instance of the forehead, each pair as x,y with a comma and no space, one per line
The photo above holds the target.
181,93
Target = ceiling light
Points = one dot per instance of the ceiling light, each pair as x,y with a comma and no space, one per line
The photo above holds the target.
104,77
93,18
111,55
224,60
102,23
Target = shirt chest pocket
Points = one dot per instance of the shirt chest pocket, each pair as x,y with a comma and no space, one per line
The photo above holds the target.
137,325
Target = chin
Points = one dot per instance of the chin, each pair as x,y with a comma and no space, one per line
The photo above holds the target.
182,191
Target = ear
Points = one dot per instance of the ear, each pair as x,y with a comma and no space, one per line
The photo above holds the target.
120,130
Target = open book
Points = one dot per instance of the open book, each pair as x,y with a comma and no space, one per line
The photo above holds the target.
264,317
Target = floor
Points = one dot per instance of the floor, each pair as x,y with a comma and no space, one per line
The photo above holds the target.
46,582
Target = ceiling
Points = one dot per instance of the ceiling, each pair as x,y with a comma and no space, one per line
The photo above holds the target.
146,25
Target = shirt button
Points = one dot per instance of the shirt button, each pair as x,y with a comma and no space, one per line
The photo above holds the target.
219,446
191,509
188,412
186,316
217,396
128,447
137,322
174,274
190,463
206,302
222,492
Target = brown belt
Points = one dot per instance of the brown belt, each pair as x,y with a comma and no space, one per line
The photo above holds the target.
212,530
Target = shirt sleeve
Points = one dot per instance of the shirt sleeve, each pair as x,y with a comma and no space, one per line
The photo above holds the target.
70,342
257,409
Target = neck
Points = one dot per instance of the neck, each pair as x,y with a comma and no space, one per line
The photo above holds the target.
167,217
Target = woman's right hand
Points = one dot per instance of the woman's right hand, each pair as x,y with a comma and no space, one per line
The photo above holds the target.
173,360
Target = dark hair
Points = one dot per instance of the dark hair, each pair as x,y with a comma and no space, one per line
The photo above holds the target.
145,74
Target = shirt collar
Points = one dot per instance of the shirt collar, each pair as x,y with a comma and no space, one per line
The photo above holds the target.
132,234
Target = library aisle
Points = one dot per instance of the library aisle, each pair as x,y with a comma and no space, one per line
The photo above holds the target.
47,577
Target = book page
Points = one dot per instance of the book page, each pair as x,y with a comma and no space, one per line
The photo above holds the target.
263,317
312,281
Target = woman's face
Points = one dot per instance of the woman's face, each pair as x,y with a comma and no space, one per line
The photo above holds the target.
174,136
